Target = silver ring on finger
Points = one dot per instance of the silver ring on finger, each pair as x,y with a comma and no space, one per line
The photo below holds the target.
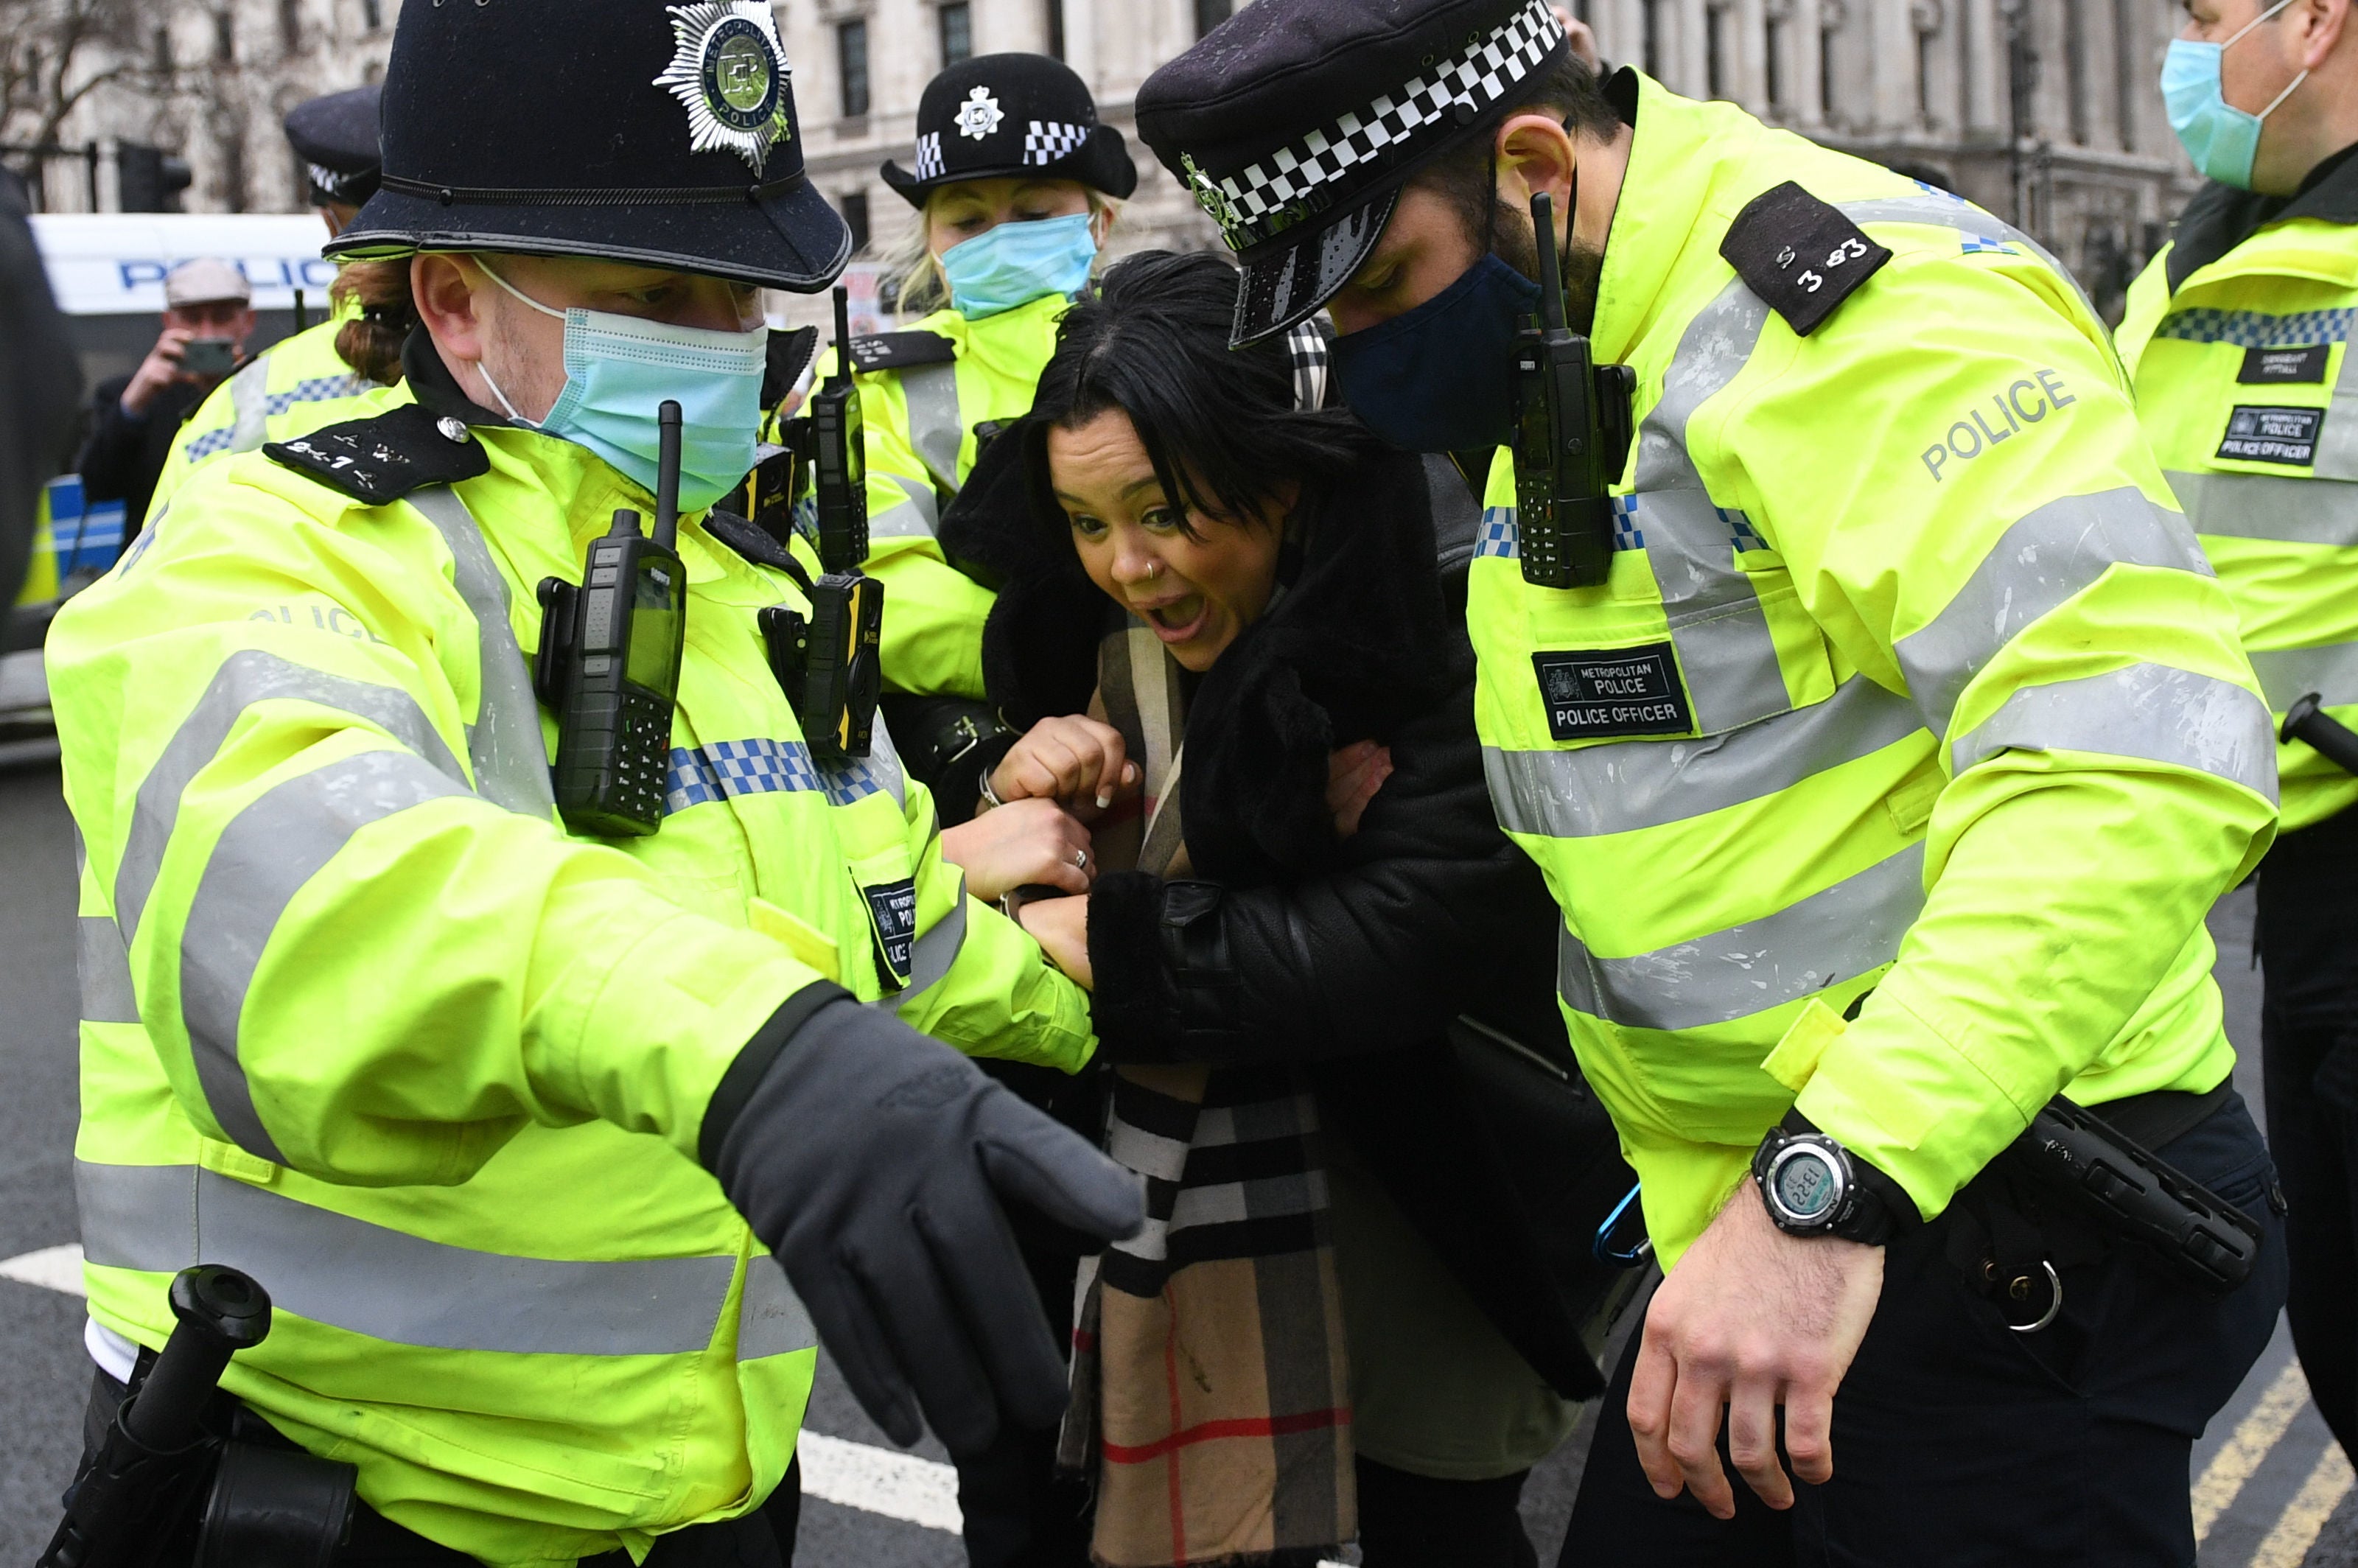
1080,860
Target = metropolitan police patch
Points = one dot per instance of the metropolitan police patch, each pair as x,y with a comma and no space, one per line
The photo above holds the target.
729,72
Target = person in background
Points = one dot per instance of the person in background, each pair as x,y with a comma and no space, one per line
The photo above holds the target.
1208,575
1015,186
134,418
40,381
2237,336
308,381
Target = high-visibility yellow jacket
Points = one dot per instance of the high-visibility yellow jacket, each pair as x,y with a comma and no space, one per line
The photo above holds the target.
1908,677
920,446
2249,393
296,386
361,1018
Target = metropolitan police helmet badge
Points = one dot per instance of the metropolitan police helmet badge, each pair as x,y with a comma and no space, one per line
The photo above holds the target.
980,115
729,72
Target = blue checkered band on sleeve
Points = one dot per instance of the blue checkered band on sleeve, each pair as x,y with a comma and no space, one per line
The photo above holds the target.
1502,536
318,389
210,442
1286,187
2257,329
724,770
1047,140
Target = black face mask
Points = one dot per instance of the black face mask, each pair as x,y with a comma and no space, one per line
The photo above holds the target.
1440,378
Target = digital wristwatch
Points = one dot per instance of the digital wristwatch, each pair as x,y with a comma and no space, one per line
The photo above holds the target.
1812,1186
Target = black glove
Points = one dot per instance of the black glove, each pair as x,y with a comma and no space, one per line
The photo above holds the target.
871,1159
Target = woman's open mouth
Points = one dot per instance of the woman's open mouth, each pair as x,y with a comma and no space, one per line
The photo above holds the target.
1180,619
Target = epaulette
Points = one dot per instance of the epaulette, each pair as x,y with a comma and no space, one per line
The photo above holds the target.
1800,254
901,351
749,540
382,458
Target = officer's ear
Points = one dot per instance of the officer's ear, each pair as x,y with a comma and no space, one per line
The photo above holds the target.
451,293
2323,24
1535,153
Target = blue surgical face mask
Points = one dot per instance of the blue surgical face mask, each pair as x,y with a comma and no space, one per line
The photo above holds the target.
620,369
2222,139
1441,378
1017,263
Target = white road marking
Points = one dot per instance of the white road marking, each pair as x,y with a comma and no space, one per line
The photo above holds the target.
2297,1528
52,1268
880,1481
2244,1452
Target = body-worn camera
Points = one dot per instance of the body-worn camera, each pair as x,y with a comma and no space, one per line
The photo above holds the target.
1571,436
608,665
828,662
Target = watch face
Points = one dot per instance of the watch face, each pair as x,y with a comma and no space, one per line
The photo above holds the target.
1805,1183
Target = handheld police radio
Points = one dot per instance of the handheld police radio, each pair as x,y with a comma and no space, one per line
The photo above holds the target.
609,664
1571,436
827,662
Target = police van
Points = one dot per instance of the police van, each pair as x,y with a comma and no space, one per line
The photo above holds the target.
106,271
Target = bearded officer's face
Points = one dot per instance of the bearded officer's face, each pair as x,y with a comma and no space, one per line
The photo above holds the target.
479,325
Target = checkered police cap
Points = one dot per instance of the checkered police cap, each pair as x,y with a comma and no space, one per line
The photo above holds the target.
1400,82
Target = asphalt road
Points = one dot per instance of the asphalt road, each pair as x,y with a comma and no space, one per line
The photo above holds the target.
2279,1499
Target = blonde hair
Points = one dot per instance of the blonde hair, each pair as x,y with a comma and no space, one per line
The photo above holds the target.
922,288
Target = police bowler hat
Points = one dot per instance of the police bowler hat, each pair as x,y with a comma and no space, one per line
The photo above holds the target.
1012,115
336,138
620,129
1295,122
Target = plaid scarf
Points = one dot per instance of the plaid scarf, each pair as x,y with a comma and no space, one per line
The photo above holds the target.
1209,1383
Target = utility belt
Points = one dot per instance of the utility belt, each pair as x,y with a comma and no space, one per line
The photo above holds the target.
2079,1187
251,1497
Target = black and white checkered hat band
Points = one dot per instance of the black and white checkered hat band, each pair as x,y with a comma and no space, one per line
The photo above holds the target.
1279,190
928,161
1307,346
1048,140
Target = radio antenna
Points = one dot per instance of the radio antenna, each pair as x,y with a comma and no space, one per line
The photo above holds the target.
842,331
667,475
1550,272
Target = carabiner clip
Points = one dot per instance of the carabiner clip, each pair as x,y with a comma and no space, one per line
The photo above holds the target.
1636,1254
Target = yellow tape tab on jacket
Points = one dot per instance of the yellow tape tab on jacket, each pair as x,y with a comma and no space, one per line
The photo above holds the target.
806,943
1795,1060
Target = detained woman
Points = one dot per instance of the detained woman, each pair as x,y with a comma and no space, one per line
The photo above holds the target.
1221,618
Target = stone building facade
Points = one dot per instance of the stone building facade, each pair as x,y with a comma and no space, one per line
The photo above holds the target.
2043,110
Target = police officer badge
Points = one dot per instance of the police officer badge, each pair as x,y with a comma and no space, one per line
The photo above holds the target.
730,70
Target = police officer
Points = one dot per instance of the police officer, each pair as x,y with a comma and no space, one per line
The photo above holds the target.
1015,185
516,1123
306,381
1884,769
2236,336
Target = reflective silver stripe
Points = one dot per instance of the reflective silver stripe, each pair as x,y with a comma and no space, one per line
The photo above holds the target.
1715,620
912,519
104,968
1631,785
2287,675
1944,211
369,1279
2147,711
770,1319
263,859
935,951
2337,444
504,743
249,394
934,428
248,677
2269,506
1844,930
2045,558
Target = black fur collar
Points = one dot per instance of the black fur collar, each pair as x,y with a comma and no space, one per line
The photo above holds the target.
1359,643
